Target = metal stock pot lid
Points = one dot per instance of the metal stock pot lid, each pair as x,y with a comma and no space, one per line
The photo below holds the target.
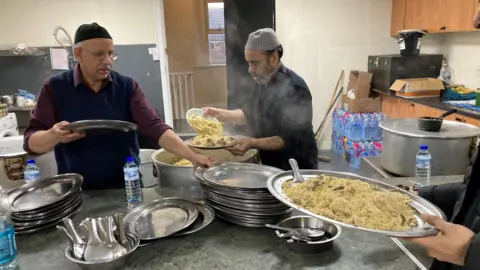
449,130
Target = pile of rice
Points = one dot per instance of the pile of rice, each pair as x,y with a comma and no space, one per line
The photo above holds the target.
353,202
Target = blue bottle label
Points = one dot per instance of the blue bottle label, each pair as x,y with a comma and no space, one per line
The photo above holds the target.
31,176
8,248
131,174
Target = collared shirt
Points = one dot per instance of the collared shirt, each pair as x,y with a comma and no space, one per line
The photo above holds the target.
98,157
283,107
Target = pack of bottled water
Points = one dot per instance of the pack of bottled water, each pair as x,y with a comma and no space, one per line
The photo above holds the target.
356,135
353,151
358,126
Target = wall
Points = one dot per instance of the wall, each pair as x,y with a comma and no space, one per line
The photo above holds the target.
33,22
463,54
322,37
131,24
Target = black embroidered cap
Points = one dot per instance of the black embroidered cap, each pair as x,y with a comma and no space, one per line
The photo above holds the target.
90,31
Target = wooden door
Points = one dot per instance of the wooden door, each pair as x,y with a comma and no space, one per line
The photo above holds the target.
398,17
423,14
457,15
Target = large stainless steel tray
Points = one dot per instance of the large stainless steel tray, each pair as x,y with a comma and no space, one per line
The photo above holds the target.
29,230
243,176
161,218
205,217
101,124
421,205
44,192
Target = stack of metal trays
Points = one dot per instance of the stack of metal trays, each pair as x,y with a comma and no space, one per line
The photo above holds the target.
46,202
238,193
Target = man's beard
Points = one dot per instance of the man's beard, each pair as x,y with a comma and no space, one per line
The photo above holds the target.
266,78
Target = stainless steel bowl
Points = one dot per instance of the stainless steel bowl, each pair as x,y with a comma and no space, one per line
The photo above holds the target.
311,223
116,263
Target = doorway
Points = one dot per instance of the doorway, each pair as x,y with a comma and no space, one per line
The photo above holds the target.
192,57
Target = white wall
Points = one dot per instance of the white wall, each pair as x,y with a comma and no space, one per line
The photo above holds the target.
322,37
32,21
463,54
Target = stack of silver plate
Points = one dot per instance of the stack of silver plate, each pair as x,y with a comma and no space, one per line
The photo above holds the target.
44,203
238,193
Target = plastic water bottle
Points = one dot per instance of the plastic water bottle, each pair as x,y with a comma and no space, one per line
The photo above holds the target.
8,247
423,166
132,183
32,172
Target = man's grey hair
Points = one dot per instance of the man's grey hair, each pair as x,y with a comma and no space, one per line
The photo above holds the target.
78,45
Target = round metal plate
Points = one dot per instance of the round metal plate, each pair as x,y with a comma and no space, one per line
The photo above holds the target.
421,205
49,208
245,213
44,192
24,230
161,218
101,124
240,175
189,143
246,206
205,217
47,220
52,213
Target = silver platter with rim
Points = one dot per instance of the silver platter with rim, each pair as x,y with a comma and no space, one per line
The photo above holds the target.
161,218
243,176
420,205
100,124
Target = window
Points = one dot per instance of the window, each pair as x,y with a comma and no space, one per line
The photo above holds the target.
216,32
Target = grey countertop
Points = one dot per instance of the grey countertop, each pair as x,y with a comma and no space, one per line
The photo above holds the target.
225,246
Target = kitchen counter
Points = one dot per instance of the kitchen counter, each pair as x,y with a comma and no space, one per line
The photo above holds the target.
434,102
221,245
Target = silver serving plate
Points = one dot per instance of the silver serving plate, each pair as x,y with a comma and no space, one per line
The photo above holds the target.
242,176
30,230
189,143
205,217
420,205
47,210
52,213
100,124
146,221
258,196
245,204
44,192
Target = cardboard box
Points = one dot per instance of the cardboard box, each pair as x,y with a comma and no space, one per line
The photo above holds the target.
417,88
361,105
360,82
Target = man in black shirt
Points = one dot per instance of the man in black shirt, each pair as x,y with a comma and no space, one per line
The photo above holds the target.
279,111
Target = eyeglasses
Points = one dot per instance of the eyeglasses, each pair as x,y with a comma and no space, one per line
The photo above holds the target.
103,55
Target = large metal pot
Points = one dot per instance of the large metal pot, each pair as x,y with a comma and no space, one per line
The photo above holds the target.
449,147
180,181
147,168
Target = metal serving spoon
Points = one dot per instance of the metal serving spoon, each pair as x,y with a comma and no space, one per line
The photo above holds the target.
78,243
306,232
297,176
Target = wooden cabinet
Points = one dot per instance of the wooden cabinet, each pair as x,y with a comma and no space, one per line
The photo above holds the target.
398,16
435,16
396,108
457,15
423,14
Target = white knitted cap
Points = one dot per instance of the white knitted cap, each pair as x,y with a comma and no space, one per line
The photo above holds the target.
262,40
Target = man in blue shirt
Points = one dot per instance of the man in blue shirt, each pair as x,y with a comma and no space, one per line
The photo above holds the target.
93,91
